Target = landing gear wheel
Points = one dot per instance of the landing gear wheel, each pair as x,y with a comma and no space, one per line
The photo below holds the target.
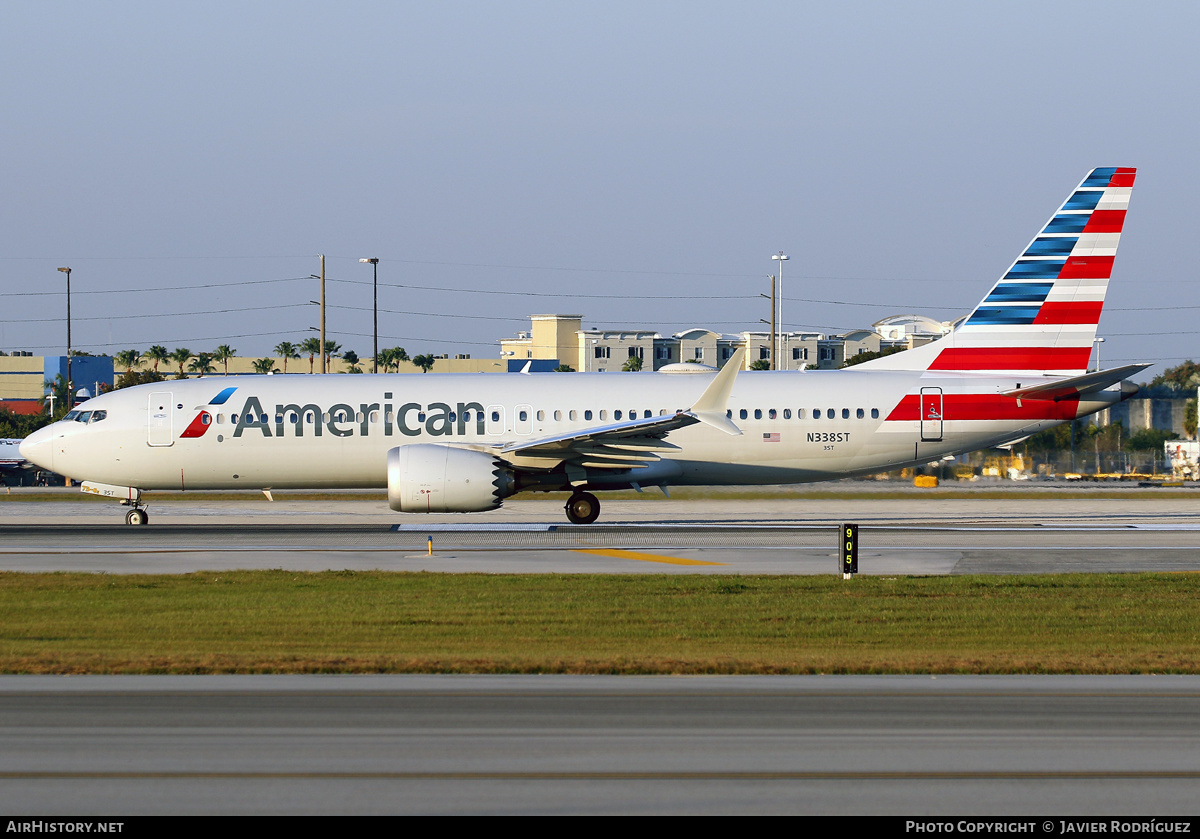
582,508
136,516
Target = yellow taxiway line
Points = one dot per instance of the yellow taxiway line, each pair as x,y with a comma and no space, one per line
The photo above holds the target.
641,557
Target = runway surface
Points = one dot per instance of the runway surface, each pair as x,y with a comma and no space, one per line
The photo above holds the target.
503,744
991,534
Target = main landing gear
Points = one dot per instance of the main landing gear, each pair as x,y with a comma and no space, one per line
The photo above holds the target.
582,508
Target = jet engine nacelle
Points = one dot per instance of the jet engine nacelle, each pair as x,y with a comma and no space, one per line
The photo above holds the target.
426,478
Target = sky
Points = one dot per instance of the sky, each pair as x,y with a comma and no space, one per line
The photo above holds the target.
637,163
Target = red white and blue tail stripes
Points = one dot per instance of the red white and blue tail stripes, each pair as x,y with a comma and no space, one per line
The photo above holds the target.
1042,314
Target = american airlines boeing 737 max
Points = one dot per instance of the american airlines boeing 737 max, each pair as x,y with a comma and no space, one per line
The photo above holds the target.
465,442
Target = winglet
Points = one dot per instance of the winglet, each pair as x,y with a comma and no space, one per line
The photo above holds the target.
710,407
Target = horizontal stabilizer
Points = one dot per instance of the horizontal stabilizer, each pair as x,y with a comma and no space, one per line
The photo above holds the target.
1076,385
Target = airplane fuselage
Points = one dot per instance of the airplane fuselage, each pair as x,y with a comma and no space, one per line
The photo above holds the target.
335,431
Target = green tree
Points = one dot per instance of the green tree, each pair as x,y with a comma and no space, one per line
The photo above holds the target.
351,359
157,354
1180,377
633,364
425,362
180,356
128,359
1189,418
130,378
264,366
761,364
564,368
1145,439
203,364
867,356
286,350
312,346
223,354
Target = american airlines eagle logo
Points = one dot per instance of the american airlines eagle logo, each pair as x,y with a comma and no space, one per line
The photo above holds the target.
203,420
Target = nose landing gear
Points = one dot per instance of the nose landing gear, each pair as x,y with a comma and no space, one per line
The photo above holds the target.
137,516
582,508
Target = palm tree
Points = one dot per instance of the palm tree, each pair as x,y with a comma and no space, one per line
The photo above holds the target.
180,357
425,362
286,350
128,359
264,366
633,365
312,346
332,348
156,354
203,364
223,354
351,358
392,358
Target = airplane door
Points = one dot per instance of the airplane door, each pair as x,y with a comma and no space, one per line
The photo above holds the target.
158,420
931,414
495,420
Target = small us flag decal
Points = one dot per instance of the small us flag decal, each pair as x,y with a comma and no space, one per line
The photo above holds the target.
770,438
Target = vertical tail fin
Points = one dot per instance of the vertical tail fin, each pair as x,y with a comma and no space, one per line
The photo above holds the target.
1042,314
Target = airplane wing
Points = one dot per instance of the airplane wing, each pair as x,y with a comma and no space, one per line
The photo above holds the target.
635,443
1076,385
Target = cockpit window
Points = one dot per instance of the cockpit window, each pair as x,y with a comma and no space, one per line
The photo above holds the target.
84,416
97,416
70,416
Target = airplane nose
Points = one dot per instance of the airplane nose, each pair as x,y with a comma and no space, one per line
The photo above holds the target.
38,448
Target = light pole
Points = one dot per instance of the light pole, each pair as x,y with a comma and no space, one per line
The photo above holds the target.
375,313
70,395
321,277
781,256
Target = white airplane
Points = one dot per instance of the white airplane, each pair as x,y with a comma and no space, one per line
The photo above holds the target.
465,442
10,457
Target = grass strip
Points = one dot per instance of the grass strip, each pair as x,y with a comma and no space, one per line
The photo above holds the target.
381,622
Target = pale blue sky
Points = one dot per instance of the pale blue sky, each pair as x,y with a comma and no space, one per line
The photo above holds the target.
902,153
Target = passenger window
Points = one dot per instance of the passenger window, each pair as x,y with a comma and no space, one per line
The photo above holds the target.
743,413
495,416
816,413
572,416
647,414
220,419
617,415
874,413
758,413
358,417
558,416
205,417
831,413
799,413
604,415
374,418
860,413
263,419
787,413
522,416
452,417
587,415
421,416
845,413
728,414
310,417
771,414
541,415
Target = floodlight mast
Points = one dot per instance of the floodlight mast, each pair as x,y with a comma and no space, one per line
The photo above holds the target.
374,312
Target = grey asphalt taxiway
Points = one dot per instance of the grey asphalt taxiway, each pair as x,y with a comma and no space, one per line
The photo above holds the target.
913,746
912,534
900,745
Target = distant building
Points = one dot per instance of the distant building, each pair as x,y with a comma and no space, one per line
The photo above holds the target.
23,377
